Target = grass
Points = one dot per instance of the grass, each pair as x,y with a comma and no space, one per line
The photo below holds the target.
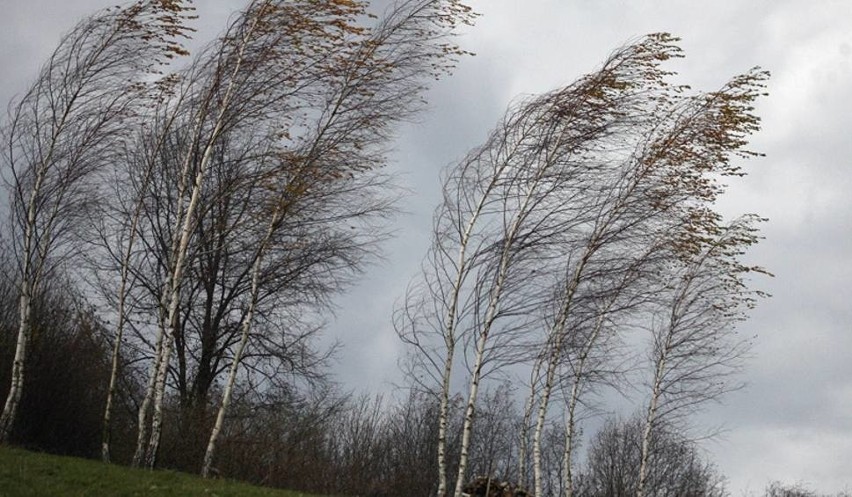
24,473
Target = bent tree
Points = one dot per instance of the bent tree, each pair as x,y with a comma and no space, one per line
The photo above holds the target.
258,72
552,235
68,126
674,171
377,84
695,350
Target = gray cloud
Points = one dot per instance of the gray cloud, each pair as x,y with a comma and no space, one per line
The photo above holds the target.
792,421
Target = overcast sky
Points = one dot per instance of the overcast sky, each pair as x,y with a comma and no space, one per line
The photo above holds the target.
794,421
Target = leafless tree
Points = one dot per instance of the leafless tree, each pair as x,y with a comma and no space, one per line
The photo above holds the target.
69,125
779,489
679,466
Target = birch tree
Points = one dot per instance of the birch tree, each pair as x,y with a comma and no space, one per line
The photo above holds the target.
593,182
115,226
696,351
607,250
684,140
466,236
69,125
379,85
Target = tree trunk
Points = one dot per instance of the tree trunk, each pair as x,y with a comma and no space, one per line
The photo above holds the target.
180,255
570,424
490,317
469,414
570,421
449,334
523,446
238,354
557,334
13,399
29,281
443,415
119,332
113,376
647,430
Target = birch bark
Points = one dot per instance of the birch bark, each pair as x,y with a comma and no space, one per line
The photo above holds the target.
186,225
491,314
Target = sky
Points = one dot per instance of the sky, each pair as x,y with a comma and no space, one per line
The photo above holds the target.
793,421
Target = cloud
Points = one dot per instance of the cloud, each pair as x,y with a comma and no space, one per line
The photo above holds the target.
792,421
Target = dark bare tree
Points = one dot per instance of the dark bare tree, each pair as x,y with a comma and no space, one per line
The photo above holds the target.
679,468
330,172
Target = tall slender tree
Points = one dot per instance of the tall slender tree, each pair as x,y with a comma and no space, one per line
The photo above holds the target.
66,127
696,351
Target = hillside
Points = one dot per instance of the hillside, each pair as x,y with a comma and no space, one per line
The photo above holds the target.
24,473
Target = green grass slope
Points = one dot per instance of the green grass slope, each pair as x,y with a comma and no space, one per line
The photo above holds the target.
24,473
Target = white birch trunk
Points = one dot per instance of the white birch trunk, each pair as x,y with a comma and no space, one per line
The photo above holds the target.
469,413
490,317
238,354
650,419
450,330
116,350
232,374
171,317
547,389
450,342
443,414
557,334
13,399
142,418
523,446
570,421
122,298
180,256
28,284
142,415
570,424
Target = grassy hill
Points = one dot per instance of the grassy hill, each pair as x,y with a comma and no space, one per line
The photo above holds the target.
24,473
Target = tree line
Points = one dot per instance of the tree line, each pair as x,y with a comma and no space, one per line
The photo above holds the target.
180,223
209,209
